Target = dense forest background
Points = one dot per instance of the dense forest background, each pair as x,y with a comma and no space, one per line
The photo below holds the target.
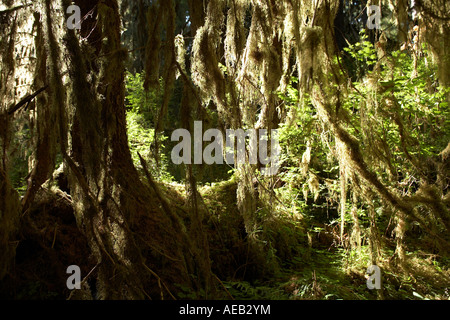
87,178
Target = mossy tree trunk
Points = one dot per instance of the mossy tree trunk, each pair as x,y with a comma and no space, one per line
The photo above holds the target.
10,206
10,210
141,251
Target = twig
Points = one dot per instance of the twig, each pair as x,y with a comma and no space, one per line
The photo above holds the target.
159,282
226,290
153,185
272,193
25,100
83,281
54,236
9,10
189,83
156,249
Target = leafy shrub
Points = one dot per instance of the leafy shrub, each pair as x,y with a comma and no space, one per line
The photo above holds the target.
141,114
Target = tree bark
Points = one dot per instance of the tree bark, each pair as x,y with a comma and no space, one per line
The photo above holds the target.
113,206
10,209
402,21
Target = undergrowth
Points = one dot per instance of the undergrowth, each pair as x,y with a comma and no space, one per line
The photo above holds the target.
320,270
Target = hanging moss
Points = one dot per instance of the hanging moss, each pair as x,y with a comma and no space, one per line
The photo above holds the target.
10,206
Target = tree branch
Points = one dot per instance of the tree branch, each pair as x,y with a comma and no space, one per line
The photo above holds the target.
9,10
26,100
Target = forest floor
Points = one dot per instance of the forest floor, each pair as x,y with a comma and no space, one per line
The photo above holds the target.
327,276
319,269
